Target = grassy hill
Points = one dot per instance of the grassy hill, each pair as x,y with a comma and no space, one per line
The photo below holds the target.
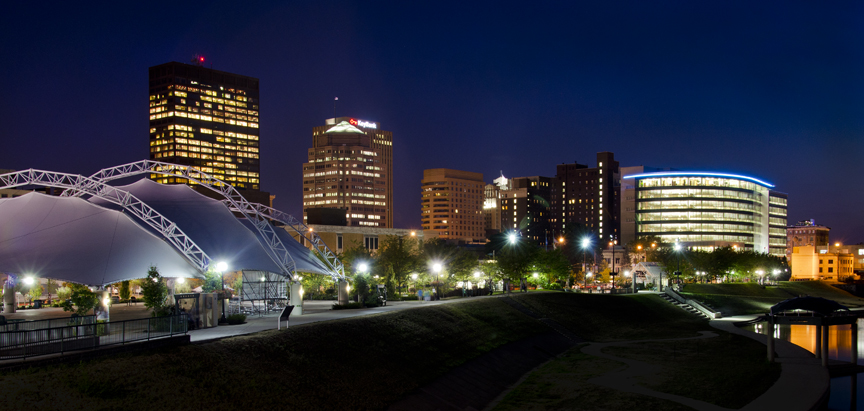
738,299
357,363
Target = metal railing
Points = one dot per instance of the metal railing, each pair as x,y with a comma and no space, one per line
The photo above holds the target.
709,312
75,335
17,325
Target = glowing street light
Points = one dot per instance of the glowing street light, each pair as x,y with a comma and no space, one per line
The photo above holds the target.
586,242
362,267
29,280
511,238
221,267
437,269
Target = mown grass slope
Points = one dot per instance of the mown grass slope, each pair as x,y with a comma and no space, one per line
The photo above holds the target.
751,298
599,317
359,363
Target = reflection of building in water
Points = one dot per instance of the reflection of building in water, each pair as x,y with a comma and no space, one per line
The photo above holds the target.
839,339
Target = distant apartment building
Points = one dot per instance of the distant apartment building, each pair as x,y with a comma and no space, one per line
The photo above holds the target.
587,198
492,204
207,119
806,232
526,208
350,167
705,210
808,263
451,202
855,250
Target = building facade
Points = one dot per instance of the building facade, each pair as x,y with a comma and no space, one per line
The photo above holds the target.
350,167
705,210
207,119
806,232
492,204
588,198
341,238
855,250
808,263
526,208
451,203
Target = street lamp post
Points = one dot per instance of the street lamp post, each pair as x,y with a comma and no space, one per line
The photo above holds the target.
221,267
613,273
586,242
678,253
437,269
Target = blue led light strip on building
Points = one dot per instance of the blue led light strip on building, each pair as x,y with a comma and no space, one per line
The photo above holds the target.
698,174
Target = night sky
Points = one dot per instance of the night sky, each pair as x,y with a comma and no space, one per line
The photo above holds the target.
770,89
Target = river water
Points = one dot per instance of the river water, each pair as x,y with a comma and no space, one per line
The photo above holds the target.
847,393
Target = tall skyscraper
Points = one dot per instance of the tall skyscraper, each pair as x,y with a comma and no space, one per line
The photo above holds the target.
207,119
525,207
351,168
452,204
588,197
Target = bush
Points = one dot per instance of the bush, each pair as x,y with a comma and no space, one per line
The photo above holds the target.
554,286
235,319
347,306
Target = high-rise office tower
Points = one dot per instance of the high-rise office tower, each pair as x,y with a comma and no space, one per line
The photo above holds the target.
452,204
207,119
588,199
525,208
351,168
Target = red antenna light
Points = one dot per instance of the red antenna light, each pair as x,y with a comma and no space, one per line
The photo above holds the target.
201,58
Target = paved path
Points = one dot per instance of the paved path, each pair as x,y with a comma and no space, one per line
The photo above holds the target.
803,384
315,311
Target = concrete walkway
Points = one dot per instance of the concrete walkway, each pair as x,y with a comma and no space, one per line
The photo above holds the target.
314,311
804,383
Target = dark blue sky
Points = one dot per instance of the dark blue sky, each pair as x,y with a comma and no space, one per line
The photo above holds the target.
771,89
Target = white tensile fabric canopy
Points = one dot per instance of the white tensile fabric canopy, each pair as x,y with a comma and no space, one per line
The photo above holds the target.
206,221
70,239
94,242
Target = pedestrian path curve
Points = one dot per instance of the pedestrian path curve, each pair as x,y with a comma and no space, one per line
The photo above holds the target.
624,379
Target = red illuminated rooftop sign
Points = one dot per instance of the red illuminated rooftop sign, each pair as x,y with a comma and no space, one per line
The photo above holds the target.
361,123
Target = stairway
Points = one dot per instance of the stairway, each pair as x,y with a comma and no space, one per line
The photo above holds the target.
685,307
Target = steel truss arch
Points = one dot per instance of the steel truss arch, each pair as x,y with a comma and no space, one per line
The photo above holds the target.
86,185
303,230
276,250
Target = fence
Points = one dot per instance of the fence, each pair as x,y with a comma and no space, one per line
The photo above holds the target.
17,325
26,341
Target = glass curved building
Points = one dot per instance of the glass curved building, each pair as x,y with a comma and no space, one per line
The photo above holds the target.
705,210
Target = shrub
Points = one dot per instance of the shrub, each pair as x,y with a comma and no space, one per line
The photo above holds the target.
81,301
554,286
154,292
347,306
235,319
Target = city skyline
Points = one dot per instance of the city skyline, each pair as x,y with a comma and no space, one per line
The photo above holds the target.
727,88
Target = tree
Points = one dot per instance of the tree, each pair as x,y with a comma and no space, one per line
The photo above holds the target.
355,255
456,263
397,258
154,292
51,287
554,264
125,290
81,298
35,292
64,292
212,281
515,260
